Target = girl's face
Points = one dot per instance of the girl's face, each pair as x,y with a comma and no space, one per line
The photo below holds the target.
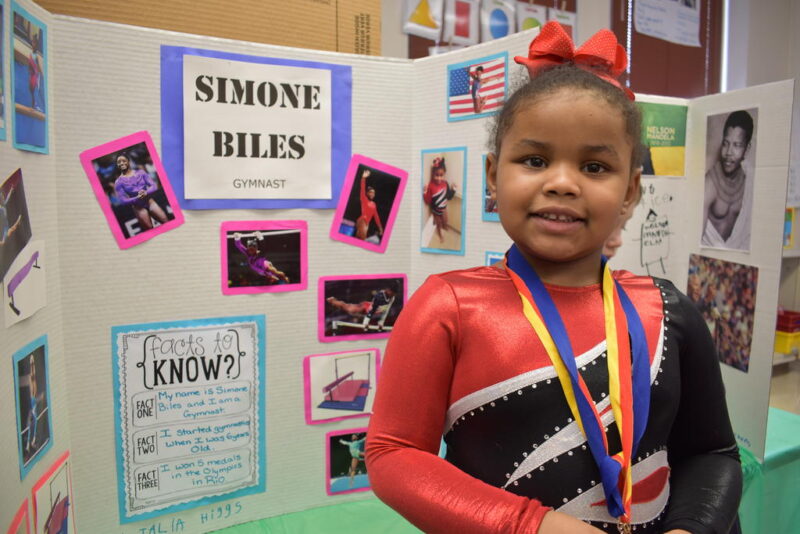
438,174
562,178
123,164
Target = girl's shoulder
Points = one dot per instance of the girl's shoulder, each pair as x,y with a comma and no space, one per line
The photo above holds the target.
662,288
481,278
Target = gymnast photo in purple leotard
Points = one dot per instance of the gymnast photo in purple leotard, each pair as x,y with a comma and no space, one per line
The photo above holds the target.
258,263
135,188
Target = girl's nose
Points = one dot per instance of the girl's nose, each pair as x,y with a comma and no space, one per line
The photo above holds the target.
562,179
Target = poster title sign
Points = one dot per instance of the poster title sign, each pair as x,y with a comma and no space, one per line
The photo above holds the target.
189,412
255,130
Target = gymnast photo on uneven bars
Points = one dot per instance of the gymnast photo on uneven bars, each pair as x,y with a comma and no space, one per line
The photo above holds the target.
571,398
258,263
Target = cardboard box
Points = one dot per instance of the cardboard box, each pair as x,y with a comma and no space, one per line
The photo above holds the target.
353,26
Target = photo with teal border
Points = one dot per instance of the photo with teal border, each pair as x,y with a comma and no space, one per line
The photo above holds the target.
490,258
444,181
2,70
32,389
489,204
28,49
476,88
189,413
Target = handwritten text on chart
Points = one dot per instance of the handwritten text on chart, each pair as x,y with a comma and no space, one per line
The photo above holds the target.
186,474
181,404
194,438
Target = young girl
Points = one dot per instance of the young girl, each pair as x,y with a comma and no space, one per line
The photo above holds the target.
571,399
436,194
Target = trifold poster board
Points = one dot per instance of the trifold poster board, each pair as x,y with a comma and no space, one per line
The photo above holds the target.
166,404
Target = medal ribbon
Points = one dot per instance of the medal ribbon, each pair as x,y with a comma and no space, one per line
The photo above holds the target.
628,374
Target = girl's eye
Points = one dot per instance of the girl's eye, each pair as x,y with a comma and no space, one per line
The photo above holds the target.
594,168
535,162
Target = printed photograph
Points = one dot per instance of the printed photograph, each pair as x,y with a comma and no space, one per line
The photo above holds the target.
53,508
476,88
131,186
29,81
347,470
725,293
490,258
25,284
488,204
339,385
32,388
368,204
263,256
359,307
15,225
730,171
21,523
444,180
2,72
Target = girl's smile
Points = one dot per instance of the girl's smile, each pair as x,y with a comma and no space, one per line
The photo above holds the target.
561,181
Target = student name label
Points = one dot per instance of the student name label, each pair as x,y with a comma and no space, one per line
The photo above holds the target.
255,130
190,403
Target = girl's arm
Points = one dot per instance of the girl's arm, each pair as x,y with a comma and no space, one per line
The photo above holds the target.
406,428
427,193
706,479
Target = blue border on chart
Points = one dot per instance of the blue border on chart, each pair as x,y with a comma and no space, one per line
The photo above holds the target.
486,215
19,355
463,64
491,257
3,13
459,252
172,128
24,146
261,446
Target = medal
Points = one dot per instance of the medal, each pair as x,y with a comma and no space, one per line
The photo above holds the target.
628,375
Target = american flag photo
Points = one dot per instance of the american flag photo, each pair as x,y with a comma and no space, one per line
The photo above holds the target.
476,88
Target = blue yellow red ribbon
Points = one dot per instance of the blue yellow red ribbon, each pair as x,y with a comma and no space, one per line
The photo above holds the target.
628,372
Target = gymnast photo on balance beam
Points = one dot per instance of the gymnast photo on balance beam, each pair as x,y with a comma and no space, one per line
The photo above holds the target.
366,311
6,229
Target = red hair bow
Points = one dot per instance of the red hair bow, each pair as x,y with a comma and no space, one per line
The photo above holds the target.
601,55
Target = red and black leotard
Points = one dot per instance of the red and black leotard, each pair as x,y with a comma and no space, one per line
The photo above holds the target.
463,362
